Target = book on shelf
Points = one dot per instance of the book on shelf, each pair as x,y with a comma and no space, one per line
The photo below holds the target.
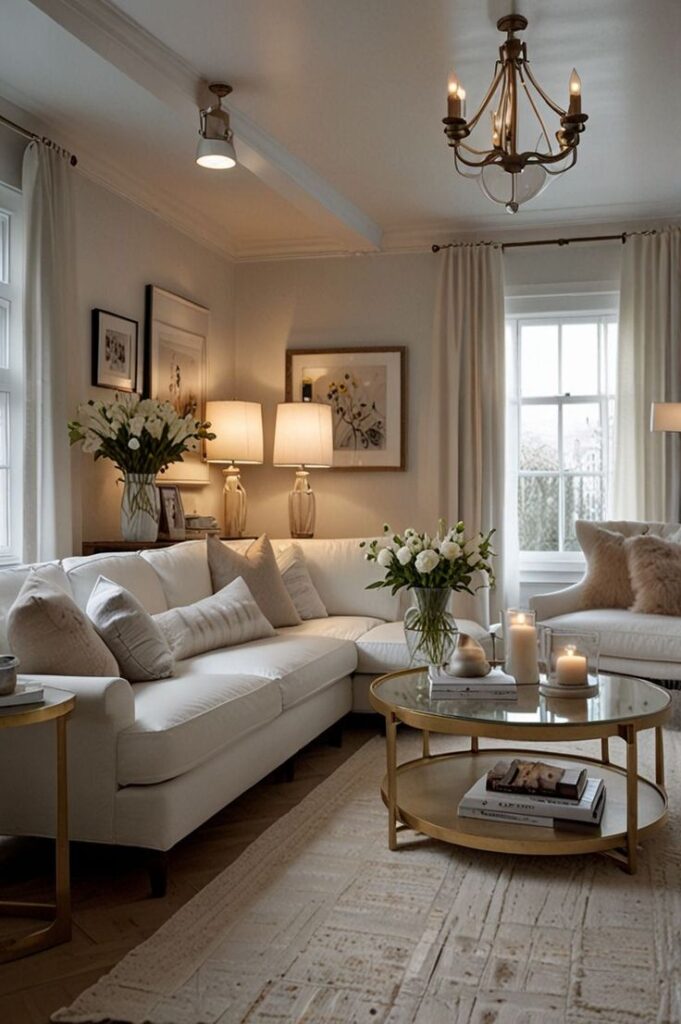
25,693
537,778
191,534
588,810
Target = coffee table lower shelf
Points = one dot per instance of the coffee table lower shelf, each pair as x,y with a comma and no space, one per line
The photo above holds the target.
429,790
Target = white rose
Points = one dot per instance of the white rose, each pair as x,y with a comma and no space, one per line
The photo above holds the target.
450,550
427,560
133,443
404,556
385,557
414,544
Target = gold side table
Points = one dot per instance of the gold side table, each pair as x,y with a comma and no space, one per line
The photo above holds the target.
423,794
56,707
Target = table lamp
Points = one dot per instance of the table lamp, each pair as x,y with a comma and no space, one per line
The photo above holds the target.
303,437
238,430
665,416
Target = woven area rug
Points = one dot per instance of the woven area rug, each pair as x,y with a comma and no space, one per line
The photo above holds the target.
319,923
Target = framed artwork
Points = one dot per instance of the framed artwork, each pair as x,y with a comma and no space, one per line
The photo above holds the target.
116,359
172,523
176,334
365,388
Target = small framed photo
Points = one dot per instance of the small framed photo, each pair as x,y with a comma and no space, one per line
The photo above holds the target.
116,361
172,525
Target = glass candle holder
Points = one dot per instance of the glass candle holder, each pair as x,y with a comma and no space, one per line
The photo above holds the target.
520,639
572,658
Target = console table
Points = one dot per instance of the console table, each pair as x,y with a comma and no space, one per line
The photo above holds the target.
101,547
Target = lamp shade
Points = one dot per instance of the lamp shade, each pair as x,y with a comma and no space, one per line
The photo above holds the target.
303,435
238,430
665,416
218,154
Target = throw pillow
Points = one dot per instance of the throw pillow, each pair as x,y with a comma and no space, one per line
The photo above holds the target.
298,582
231,616
655,567
258,569
50,635
607,583
130,633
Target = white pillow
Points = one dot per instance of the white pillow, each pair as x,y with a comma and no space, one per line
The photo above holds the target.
230,616
298,582
130,633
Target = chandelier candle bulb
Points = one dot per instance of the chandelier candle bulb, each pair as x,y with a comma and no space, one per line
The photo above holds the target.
455,98
575,93
572,668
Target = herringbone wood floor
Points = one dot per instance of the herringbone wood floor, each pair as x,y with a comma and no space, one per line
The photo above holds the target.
112,909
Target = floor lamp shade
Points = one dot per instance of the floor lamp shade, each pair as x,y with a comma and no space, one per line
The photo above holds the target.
665,416
238,438
303,437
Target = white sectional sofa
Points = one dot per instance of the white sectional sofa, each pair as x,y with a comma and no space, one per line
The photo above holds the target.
149,762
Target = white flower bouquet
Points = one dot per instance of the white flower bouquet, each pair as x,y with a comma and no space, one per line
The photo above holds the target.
139,435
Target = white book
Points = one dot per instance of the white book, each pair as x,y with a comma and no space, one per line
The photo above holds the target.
496,678
25,693
510,819
475,692
588,809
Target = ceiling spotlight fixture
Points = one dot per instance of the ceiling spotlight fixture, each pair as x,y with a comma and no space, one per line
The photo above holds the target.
215,148
506,173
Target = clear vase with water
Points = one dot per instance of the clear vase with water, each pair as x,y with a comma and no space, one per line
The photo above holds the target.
430,630
140,507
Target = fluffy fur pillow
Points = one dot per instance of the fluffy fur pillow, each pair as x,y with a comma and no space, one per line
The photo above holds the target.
607,583
655,568
258,569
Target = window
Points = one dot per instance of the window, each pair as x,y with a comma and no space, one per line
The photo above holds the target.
11,374
564,405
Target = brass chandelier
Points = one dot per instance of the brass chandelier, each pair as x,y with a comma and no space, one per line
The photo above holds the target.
507,174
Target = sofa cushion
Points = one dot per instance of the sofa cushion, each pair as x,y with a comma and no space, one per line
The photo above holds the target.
182,570
655,570
341,575
606,583
131,634
301,665
231,616
298,582
342,627
384,649
180,723
627,634
129,570
13,579
258,569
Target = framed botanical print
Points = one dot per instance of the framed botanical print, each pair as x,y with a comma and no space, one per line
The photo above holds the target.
365,388
176,333
116,361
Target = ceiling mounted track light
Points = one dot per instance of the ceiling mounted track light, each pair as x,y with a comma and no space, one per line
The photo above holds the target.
506,173
216,148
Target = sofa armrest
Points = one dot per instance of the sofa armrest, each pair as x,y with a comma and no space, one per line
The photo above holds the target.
97,697
560,602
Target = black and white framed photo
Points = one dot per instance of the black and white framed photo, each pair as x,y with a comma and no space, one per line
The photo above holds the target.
172,523
116,359
366,390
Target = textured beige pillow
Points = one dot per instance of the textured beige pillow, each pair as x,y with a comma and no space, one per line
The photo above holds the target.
130,633
222,620
259,571
607,583
655,568
50,635
298,582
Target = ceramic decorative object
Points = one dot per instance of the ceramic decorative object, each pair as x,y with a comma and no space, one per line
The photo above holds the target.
140,507
469,659
429,629
8,674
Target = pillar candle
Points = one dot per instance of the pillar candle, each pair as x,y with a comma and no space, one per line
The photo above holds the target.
572,668
523,653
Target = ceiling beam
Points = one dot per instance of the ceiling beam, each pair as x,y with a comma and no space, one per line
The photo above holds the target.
140,56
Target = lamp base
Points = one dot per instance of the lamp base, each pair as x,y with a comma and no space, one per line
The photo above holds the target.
234,496
301,507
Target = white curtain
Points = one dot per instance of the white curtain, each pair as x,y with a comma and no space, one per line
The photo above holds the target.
53,368
647,465
468,411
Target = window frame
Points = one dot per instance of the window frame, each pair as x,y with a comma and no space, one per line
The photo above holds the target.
12,376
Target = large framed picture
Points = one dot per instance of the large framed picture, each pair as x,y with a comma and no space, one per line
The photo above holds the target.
172,523
116,361
176,335
365,388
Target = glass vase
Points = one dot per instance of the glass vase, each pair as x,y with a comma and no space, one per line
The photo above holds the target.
140,507
429,629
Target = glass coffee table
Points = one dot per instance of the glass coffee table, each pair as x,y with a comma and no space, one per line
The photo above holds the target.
423,794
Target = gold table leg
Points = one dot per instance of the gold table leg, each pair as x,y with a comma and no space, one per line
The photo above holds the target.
632,798
659,757
605,750
391,754
474,744
425,737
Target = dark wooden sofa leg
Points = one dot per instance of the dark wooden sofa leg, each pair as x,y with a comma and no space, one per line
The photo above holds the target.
334,735
157,866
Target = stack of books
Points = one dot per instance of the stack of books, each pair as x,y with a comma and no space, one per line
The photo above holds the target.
199,527
536,793
24,693
494,686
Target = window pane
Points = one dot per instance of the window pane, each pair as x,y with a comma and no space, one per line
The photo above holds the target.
4,247
611,355
584,499
539,437
579,358
538,513
4,508
4,334
538,360
582,438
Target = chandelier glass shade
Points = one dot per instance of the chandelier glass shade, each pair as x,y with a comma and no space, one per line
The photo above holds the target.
507,173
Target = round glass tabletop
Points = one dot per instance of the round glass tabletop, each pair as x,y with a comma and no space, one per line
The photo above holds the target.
618,699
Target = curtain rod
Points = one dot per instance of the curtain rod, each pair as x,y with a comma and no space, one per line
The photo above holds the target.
622,237
73,160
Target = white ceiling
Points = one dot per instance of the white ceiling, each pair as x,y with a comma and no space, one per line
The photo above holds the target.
337,110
